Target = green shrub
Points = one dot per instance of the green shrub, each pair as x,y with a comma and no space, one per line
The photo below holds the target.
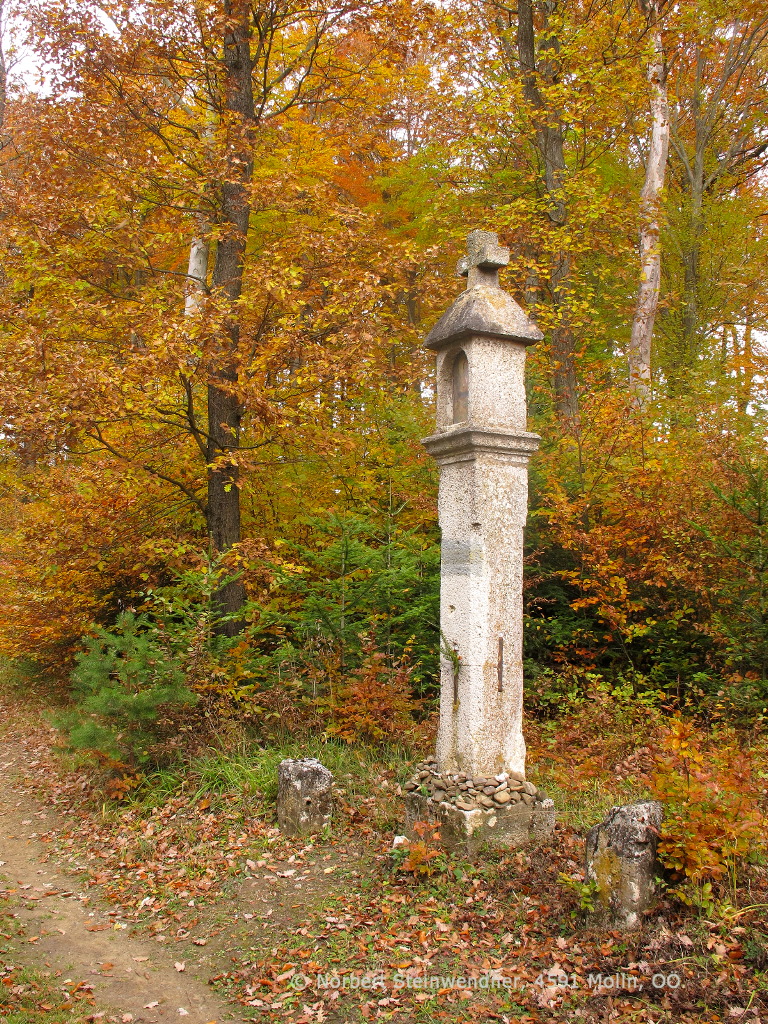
122,684
356,578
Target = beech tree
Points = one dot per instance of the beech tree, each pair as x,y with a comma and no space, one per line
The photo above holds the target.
3,67
639,350
208,89
558,96
539,63
719,140
226,230
141,357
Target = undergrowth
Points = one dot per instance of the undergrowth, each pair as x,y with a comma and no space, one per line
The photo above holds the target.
177,846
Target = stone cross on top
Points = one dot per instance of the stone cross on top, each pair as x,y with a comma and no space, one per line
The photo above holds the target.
484,258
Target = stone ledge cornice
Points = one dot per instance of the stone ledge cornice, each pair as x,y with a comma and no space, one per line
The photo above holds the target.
465,443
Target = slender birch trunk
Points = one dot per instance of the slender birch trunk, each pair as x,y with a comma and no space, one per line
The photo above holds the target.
197,268
639,354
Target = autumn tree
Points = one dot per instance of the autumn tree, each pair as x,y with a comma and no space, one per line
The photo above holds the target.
3,67
719,138
108,360
540,71
639,349
555,97
226,230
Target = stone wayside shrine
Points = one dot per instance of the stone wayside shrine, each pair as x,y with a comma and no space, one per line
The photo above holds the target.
476,787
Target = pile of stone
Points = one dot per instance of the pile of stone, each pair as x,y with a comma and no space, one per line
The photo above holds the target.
469,793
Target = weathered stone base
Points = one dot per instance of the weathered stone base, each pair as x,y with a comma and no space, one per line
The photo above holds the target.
499,812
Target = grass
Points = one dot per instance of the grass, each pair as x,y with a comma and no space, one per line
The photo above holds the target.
251,771
23,678
586,807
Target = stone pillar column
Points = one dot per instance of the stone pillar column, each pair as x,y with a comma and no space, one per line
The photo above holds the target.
476,787
482,448
482,508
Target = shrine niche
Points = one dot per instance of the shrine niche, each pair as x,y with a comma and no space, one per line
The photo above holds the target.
460,388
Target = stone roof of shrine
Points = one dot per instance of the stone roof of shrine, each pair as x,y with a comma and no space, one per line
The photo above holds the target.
484,310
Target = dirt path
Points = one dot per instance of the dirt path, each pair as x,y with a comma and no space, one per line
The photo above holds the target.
69,932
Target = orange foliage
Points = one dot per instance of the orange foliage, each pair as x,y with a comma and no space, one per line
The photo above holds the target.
77,546
423,856
637,511
374,702
712,815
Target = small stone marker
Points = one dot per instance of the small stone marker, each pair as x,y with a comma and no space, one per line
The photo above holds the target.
476,786
621,859
304,798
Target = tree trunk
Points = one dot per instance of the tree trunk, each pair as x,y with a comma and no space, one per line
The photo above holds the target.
224,412
715,136
746,367
563,360
691,261
550,144
639,355
197,269
691,250
3,67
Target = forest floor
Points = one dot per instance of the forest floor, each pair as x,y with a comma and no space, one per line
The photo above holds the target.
77,941
182,900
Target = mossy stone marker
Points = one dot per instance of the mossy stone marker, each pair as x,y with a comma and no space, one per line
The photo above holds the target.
621,862
304,796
